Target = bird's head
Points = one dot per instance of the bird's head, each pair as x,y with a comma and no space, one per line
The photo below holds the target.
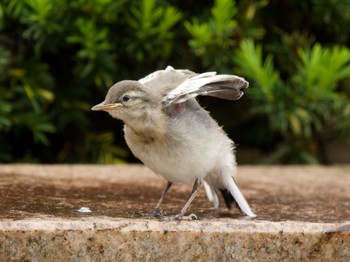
128,101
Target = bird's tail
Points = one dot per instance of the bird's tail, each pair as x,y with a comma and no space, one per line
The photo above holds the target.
238,197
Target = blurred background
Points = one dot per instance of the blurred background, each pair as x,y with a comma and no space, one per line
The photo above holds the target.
59,57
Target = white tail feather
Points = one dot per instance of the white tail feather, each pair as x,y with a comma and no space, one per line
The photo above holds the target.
211,194
239,198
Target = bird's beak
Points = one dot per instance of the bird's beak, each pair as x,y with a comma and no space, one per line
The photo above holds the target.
105,107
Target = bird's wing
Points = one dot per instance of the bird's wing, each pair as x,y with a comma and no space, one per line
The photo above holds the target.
209,84
161,73
162,80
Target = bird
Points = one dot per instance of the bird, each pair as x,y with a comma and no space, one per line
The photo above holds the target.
166,128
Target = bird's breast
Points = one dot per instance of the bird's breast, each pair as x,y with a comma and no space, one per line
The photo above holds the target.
162,156
176,156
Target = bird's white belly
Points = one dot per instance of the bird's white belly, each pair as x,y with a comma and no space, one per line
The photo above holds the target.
174,165
179,164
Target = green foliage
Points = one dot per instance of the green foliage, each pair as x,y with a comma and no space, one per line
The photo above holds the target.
58,57
321,68
320,71
214,39
334,16
101,146
44,92
151,25
211,39
251,62
94,57
24,105
301,108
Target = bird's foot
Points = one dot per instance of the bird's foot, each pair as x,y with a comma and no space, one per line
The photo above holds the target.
178,217
160,213
188,218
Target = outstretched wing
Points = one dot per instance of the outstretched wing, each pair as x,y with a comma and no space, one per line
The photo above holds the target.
169,70
210,84
163,80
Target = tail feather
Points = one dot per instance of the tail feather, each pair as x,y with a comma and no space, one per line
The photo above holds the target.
228,198
211,194
238,197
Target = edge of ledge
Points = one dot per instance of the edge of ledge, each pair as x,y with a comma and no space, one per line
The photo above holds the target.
130,225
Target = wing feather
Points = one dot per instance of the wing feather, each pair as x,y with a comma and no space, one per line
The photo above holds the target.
222,86
179,85
155,75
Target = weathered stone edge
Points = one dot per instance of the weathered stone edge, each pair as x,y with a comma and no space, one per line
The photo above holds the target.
131,225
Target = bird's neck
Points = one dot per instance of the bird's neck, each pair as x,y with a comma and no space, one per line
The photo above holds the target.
148,127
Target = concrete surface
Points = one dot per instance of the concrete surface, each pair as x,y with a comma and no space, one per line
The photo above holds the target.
303,215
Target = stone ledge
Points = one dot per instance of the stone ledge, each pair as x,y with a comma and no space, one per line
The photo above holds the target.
303,215
107,239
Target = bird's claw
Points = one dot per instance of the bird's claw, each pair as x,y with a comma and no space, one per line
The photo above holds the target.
160,213
178,217
188,218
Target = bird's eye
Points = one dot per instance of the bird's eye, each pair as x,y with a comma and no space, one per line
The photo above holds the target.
126,98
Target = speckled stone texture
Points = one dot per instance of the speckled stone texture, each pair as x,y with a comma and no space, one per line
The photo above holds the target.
303,215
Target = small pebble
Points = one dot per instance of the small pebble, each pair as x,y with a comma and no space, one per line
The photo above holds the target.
84,210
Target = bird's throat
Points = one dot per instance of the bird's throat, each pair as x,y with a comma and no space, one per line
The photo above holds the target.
146,130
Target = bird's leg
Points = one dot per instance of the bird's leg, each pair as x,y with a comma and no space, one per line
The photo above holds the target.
196,186
158,212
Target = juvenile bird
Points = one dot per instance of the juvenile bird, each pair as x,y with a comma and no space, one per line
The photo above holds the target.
174,136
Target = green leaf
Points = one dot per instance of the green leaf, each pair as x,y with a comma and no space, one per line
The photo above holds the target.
320,69
250,60
223,13
151,29
212,39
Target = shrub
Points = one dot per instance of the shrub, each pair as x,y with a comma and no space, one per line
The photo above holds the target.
58,58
